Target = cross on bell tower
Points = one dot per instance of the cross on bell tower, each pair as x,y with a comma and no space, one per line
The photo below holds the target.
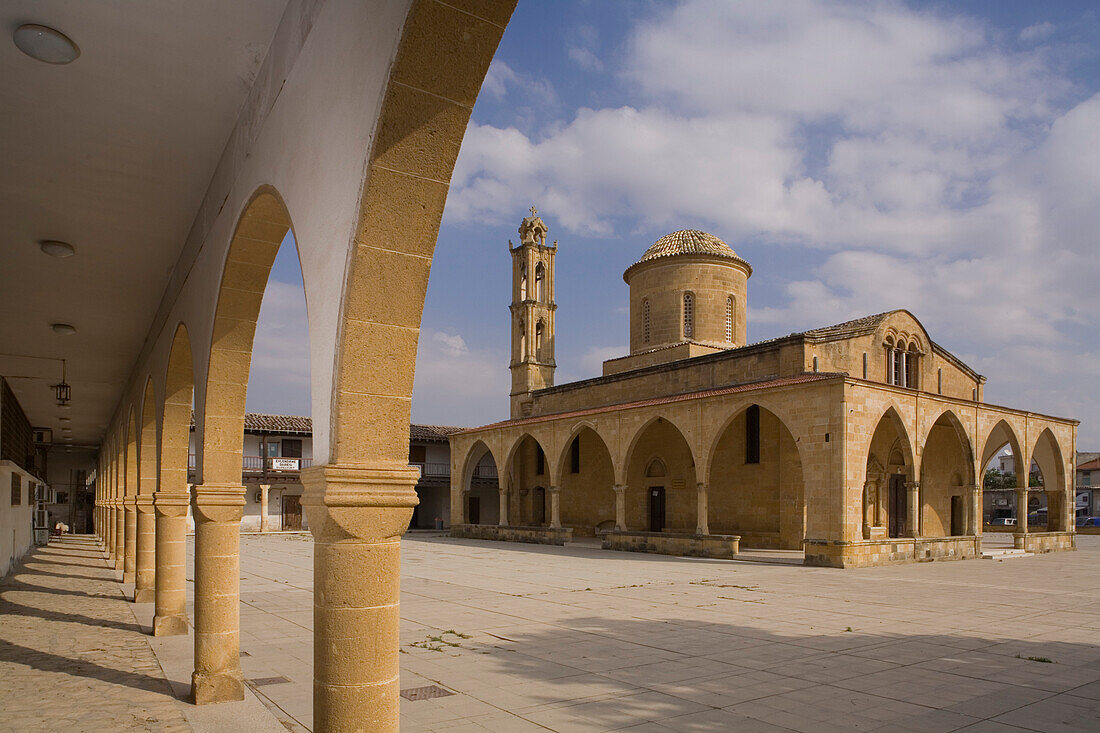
532,310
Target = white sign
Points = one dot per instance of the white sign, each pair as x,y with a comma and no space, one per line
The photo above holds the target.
1083,501
284,464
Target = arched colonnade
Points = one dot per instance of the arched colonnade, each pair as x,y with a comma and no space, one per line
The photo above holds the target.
345,148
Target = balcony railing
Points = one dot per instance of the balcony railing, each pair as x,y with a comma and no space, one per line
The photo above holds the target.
255,464
433,469
485,471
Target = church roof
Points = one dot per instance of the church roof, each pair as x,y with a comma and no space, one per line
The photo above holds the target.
689,242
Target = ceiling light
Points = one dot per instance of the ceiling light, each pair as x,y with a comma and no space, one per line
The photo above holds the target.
65,329
56,249
45,44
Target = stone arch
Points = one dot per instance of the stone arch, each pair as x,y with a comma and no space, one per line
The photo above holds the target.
261,229
173,493
660,438
1048,456
889,471
529,487
587,497
777,410
762,501
147,442
479,500
129,492
946,475
1002,502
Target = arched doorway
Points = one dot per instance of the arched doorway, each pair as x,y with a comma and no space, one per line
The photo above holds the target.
946,477
889,509
1053,512
480,487
755,487
528,479
587,484
660,480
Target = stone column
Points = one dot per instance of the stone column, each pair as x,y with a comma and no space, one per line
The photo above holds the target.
264,488
129,567
1020,537
555,507
170,617
217,677
110,530
357,516
146,552
503,497
974,513
913,508
120,535
702,525
620,507
868,508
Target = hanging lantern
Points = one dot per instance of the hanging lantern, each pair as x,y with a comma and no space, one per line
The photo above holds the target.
62,390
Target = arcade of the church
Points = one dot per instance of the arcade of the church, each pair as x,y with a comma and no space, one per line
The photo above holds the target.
861,443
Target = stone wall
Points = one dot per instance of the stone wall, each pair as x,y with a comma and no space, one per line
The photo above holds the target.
532,535
863,553
1042,542
674,543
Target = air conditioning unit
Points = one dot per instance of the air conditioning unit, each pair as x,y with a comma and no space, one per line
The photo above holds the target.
43,493
42,435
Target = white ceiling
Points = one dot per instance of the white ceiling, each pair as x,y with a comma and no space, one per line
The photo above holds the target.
112,154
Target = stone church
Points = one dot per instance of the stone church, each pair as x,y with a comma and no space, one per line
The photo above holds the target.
860,443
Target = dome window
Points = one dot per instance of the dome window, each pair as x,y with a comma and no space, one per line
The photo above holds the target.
689,315
645,320
729,319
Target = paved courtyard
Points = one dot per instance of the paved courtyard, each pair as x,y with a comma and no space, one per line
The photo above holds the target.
574,639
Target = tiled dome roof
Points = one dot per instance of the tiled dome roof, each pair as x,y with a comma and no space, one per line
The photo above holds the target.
689,242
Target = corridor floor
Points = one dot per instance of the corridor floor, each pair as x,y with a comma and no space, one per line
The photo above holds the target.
72,657
530,638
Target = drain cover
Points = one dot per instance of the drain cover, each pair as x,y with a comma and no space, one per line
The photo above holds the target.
425,693
261,681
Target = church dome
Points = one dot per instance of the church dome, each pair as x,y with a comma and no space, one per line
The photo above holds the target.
689,242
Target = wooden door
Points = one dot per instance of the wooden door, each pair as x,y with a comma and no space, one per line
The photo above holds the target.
656,508
538,506
898,508
475,510
292,513
958,518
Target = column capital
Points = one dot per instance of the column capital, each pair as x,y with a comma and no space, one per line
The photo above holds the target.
912,485
144,503
555,489
371,503
218,502
619,488
130,502
265,486
171,503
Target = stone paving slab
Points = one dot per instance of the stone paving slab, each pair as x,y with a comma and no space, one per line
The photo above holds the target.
72,657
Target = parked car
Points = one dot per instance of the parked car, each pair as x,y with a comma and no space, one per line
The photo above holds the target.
1088,521
1038,517
1003,522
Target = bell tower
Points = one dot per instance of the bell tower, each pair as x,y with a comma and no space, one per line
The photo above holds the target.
532,309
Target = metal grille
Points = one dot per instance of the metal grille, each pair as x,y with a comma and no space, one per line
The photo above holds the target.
425,693
261,681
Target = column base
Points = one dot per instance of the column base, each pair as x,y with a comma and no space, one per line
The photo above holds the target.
144,595
371,707
169,626
208,688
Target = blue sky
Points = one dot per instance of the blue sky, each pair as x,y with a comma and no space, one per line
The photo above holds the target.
942,157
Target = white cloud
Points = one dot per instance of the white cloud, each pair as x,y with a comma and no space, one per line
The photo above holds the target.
459,385
1037,32
943,172
582,48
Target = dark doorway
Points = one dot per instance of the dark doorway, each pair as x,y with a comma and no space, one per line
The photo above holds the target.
656,508
475,510
292,513
538,506
958,523
897,508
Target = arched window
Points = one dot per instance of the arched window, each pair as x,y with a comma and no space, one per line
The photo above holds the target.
523,283
902,363
522,340
912,371
538,339
656,469
645,320
540,283
729,319
899,365
689,315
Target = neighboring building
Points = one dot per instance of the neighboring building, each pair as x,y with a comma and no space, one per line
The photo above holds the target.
278,447
863,442
1088,484
21,468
